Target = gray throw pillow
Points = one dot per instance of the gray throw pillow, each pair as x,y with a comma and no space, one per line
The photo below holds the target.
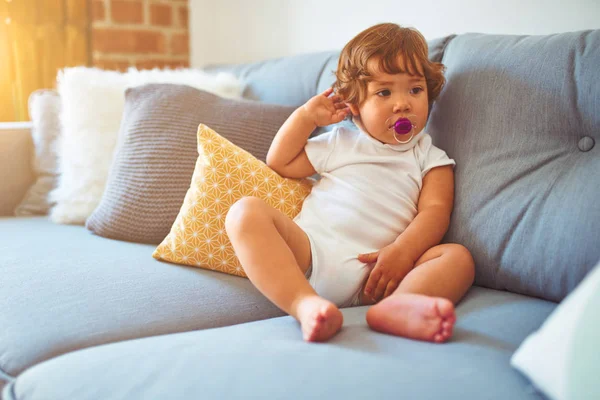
153,167
520,115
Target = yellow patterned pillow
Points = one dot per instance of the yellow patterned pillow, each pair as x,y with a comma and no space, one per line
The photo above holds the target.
224,174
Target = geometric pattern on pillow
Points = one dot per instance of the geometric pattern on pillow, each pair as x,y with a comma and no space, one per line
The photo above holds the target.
224,174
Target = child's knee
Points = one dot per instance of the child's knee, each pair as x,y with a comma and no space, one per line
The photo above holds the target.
244,212
464,260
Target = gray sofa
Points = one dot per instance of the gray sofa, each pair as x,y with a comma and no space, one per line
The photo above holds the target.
84,317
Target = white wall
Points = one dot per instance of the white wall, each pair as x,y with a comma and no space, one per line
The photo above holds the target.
232,31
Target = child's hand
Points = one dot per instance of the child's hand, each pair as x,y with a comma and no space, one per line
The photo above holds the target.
325,110
391,266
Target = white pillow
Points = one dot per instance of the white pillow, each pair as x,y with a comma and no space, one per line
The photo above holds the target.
562,358
92,106
44,109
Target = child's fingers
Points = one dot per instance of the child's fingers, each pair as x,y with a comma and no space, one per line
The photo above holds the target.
380,289
372,282
327,92
340,115
368,257
390,288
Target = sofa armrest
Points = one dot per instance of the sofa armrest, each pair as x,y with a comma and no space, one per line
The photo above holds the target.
16,164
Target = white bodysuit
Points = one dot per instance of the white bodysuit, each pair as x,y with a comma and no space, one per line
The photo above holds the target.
366,197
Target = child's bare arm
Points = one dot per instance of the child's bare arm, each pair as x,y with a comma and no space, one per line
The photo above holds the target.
395,261
286,155
433,216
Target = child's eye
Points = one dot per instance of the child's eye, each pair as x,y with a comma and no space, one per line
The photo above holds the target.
383,93
416,90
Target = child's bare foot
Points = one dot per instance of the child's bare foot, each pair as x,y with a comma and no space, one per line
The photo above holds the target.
413,316
320,319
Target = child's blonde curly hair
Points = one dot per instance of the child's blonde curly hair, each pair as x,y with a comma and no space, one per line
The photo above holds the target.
385,42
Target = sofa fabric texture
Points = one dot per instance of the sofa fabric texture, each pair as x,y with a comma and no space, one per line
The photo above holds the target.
64,289
513,114
269,360
153,167
288,80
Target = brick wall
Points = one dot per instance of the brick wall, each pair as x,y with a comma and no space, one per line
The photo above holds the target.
140,33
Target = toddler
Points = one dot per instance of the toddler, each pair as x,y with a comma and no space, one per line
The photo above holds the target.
369,232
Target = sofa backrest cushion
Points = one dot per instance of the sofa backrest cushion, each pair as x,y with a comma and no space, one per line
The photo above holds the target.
520,115
288,81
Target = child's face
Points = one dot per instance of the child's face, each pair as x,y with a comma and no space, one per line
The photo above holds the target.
390,97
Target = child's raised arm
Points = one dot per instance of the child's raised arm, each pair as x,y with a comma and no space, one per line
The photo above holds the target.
286,155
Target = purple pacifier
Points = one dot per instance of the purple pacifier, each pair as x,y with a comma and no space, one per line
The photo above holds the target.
403,126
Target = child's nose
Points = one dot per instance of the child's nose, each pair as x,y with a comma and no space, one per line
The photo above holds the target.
401,104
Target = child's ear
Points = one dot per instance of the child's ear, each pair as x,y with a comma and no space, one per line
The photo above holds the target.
353,109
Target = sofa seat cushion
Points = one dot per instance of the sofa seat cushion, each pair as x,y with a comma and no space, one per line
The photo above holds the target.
64,289
269,360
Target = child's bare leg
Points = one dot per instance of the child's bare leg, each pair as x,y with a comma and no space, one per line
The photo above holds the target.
275,254
422,307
